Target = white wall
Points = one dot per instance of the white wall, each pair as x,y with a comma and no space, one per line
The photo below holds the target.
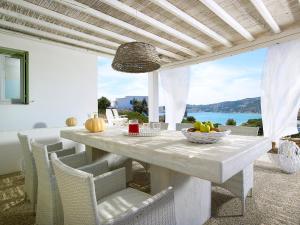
62,83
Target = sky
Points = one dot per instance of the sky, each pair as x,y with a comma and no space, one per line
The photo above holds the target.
231,78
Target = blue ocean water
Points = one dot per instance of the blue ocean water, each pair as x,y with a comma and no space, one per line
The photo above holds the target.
223,117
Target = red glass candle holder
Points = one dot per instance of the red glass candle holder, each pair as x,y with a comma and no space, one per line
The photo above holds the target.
133,127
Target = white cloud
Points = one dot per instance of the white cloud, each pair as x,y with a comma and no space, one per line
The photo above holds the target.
212,82
113,84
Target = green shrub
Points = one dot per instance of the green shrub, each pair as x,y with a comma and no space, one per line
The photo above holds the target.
231,122
253,123
135,115
216,125
191,119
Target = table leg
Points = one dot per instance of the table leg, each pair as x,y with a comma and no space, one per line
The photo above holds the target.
192,195
94,153
114,161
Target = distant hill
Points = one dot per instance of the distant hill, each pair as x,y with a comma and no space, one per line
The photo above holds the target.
247,105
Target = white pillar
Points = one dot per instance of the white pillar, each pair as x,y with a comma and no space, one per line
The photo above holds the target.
153,106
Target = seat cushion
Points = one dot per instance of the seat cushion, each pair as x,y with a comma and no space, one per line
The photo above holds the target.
115,205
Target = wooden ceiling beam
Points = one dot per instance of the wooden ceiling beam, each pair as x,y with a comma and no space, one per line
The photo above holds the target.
220,12
95,13
85,25
157,24
264,12
191,21
59,38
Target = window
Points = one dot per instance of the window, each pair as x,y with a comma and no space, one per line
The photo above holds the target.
13,76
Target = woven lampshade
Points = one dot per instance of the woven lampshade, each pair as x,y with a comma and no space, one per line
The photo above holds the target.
136,57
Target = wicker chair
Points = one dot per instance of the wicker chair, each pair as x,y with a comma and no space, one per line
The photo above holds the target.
106,200
49,209
29,165
241,184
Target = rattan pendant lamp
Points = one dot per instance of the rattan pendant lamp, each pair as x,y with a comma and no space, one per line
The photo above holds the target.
136,57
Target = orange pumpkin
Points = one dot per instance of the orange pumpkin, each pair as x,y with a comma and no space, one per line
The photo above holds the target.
71,122
95,124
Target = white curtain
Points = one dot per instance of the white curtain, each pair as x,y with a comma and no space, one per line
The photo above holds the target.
175,90
280,100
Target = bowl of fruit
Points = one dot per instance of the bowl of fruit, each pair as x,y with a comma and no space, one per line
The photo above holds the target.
204,133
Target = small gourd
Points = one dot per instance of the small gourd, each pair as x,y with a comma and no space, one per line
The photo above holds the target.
95,124
71,121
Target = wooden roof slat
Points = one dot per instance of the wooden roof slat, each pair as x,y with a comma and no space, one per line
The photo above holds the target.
264,12
85,25
220,12
88,10
155,23
57,27
49,35
191,21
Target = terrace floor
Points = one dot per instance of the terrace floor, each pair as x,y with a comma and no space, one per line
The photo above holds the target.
275,200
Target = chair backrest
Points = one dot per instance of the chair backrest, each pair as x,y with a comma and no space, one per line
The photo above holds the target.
77,192
180,126
109,116
47,204
30,170
241,130
115,113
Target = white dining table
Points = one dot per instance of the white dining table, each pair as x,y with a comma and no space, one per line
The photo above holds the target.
188,167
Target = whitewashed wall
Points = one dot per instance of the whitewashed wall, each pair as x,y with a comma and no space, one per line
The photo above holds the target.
62,83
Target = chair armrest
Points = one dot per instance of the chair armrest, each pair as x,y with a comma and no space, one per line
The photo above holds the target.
65,152
159,209
96,168
75,160
110,182
54,147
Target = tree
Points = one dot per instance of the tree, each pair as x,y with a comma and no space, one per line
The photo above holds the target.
139,106
231,122
103,104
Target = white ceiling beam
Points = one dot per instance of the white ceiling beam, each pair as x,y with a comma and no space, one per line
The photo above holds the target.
191,21
220,12
289,34
70,20
95,13
264,12
40,39
85,25
56,37
57,27
157,24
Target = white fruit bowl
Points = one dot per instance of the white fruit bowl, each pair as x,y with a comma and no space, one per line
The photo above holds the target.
204,138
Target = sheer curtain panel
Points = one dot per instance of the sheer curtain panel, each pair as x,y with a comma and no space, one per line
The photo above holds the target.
175,89
280,100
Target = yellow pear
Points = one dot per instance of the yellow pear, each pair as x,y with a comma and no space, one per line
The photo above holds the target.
206,128
203,127
197,125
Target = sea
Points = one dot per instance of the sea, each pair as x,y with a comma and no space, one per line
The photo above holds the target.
223,117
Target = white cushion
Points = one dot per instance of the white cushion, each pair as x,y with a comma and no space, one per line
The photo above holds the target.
118,203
